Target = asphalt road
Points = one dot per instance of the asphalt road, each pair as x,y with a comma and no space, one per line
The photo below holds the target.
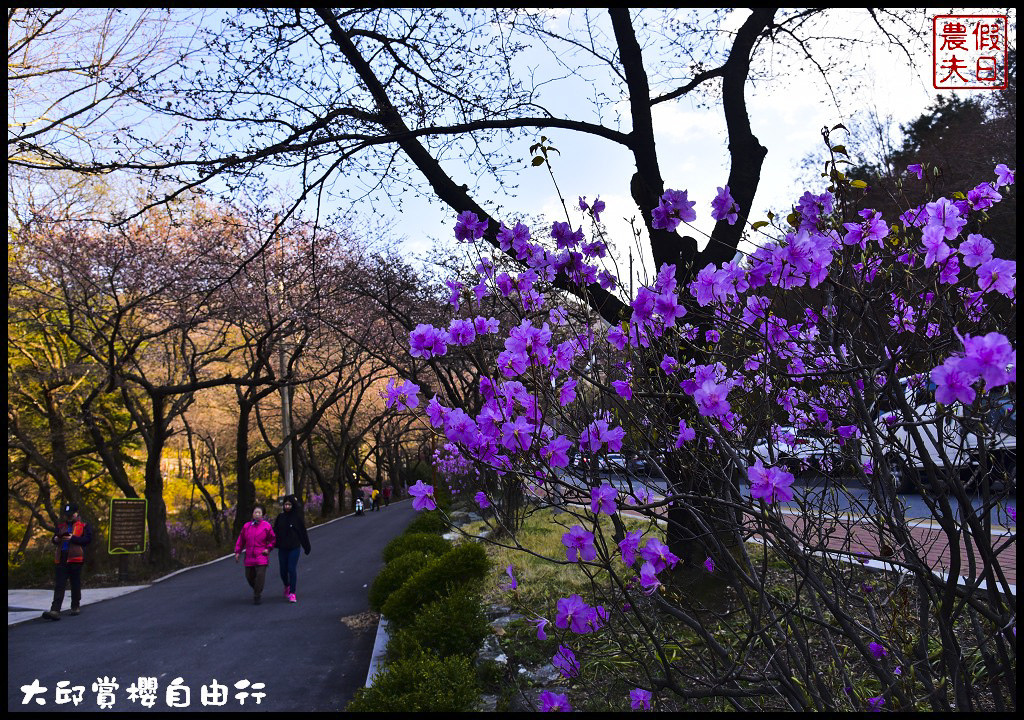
202,626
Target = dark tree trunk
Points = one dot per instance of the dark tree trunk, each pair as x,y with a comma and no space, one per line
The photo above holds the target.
246,490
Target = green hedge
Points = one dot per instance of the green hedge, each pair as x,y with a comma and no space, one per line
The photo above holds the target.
429,543
420,683
393,575
429,521
466,563
451,625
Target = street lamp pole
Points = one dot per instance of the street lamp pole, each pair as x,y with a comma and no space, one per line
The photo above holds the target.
286,415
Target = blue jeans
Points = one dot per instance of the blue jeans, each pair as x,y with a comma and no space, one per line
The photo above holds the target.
289,564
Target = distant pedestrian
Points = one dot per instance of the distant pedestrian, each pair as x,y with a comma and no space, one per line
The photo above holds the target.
375,499
387,495
256,539
290,532
71,537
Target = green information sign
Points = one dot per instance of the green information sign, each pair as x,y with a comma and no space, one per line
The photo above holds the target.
127,526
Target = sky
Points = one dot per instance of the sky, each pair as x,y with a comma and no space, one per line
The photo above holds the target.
692,143
787,114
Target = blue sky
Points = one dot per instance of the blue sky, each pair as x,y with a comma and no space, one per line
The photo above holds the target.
787,116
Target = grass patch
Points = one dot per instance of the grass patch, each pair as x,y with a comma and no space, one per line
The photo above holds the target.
642,640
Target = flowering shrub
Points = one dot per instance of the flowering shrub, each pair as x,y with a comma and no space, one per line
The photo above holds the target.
831,324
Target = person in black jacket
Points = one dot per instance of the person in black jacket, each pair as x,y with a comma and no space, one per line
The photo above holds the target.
290,530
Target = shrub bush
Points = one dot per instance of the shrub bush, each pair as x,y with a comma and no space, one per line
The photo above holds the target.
429,543
451,625
33,570
465,563
393,575
420,683
428,522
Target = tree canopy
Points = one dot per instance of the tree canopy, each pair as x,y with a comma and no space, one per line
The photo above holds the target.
430,99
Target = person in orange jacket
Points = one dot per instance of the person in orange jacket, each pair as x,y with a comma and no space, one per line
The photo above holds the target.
70,539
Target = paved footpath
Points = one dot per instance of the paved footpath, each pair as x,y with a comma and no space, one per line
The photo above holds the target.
857,535
200,625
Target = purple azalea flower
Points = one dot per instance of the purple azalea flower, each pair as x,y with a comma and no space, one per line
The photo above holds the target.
564,235
602,500
469,227
934,245
567,393
517,434
658,555
976,249
598,208
1004,175
598,433
723,207
623,389
686,434
848,431
950,271
917,170
875,704
515,583
709,565
998,275
423,496
988,356
579,545
675,207
952,383
485,326
405,394
566,662
769,484
628,546
436,412
572,613
711,398
945,215
878,650
461,332
554,702
426,342
541,624
983,196
556,452
481,500
649,578
640,699
456,293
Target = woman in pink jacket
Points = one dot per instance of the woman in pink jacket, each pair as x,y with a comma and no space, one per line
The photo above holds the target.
256,539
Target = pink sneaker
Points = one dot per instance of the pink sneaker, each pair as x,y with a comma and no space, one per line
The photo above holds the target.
287,592
291,597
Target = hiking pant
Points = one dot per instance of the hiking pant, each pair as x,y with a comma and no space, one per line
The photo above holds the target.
256,575
288,562
64,572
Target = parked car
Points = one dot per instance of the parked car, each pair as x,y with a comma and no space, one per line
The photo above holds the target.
796,450
949,436
611,462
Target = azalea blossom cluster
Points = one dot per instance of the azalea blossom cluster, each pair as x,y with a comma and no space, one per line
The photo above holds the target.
807,367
